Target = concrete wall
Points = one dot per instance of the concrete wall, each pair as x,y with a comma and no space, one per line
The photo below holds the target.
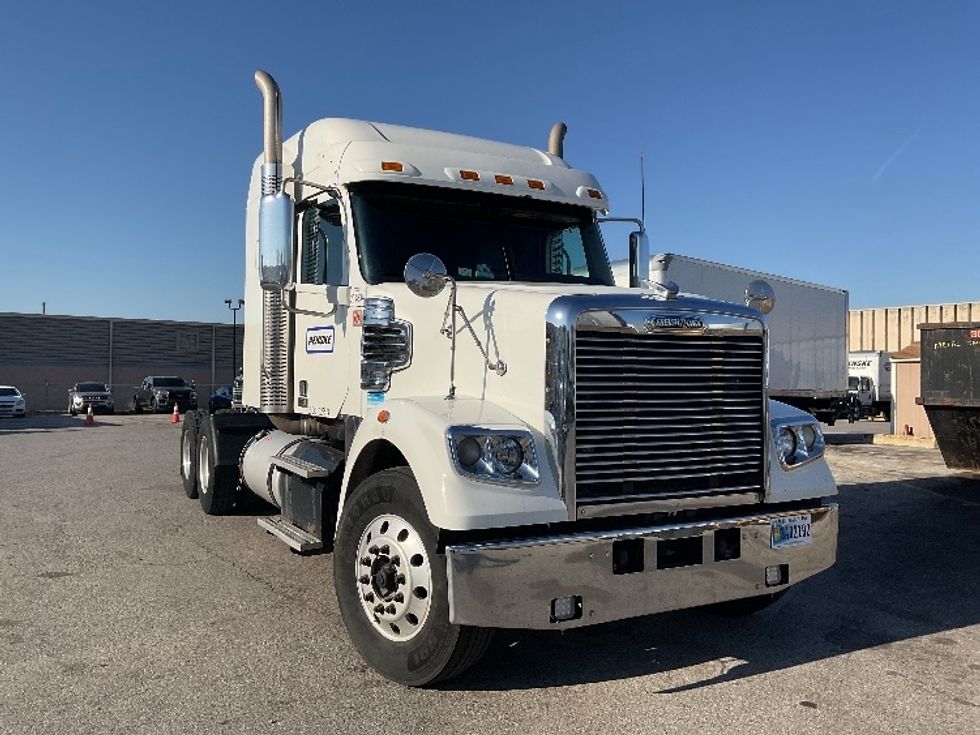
45,355
894,327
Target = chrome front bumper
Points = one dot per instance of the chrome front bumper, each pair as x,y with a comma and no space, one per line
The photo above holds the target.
512,584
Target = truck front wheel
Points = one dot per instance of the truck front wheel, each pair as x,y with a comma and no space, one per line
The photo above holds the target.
391,585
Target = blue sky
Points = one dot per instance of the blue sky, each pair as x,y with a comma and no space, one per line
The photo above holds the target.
834,142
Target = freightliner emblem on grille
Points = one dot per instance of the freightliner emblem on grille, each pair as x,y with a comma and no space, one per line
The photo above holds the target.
655,322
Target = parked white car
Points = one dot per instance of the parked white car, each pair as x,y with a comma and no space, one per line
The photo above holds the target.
12,402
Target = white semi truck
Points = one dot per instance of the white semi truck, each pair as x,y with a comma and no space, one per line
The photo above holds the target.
807,327
869,382
443,386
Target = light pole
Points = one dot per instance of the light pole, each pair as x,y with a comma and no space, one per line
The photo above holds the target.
230,303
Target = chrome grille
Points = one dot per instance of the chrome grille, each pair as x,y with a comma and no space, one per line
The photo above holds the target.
667,414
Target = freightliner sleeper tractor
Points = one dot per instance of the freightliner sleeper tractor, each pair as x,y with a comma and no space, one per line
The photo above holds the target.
443,386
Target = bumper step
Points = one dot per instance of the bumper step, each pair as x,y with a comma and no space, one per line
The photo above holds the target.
301,468
294,537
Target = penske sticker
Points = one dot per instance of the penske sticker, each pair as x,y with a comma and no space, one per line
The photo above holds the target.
319,340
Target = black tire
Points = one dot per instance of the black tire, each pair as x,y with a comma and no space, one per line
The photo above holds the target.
216,485
154,406
137,408
439,649
745,606
72,411
188,457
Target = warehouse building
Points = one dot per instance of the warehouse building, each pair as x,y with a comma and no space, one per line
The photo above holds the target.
893,328
44,355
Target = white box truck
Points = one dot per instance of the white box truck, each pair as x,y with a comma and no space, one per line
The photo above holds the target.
869,382
443,386
807,327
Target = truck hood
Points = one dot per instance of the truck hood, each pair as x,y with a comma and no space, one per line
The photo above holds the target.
510,321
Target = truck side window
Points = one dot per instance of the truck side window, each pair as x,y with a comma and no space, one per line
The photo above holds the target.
566,253
322,256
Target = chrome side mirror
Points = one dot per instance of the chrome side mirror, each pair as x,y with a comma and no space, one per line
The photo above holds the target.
425,275
759,295
639,259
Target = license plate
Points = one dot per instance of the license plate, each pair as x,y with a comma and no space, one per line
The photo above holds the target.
789,531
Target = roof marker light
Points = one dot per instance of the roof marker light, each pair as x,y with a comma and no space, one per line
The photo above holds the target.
469,175
505,180
595,193
535,184
395,166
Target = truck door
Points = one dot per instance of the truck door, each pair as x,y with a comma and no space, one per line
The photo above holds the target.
322,343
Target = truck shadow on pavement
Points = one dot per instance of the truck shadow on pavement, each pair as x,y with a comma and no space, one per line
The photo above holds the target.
906,568
47,423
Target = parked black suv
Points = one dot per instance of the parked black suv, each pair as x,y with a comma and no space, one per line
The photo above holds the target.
160,392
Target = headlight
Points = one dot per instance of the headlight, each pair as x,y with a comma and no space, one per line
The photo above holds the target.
500,455
78,400
797,442
160,394
193,394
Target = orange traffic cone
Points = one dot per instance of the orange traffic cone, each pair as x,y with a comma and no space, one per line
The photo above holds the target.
90,417
175,416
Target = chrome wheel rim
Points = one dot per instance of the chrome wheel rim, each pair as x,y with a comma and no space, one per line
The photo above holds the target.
203,471
393,577
185,456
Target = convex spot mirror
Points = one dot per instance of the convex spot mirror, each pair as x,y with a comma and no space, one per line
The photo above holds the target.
425,275
759,295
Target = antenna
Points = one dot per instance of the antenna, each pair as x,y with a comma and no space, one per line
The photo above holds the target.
643,194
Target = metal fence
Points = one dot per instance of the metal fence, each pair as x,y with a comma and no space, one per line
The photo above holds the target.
44,355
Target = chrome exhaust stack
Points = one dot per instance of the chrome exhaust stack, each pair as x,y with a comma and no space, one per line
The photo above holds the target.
276,215
556,141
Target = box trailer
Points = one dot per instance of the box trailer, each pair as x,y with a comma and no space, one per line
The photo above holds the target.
807,327
869,382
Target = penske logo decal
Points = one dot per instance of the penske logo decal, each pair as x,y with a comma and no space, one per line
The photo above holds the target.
319,340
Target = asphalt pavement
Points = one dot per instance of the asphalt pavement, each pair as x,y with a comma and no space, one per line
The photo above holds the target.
124,609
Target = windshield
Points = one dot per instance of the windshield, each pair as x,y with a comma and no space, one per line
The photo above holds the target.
9,392
852,383
91,387
168,382
479,236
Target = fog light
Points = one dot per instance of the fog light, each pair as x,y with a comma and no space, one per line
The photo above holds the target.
777,575
566,608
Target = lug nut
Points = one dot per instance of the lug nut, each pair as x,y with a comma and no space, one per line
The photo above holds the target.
369,597
365,579
390,609
400,579
396,560
399,597
384,549
373,550
366,562
379,608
